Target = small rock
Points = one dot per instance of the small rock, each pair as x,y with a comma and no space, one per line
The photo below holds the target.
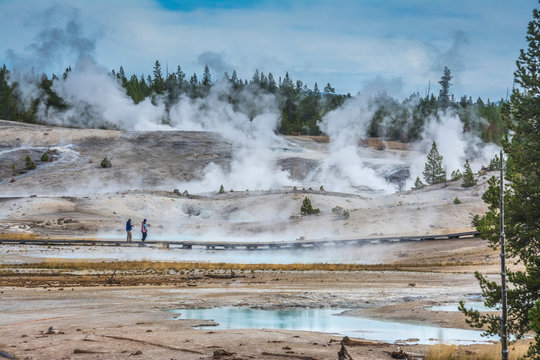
138,352
221,353
400,354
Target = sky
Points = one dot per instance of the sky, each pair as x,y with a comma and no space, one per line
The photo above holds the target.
398,46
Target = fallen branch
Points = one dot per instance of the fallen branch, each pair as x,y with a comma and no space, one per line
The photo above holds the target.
226,276
347,341
6,355
288,356
83,351
153,344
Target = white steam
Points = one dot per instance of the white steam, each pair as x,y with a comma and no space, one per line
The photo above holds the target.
455,146
344,167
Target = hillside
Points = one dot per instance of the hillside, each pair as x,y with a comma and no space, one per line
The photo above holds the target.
72,195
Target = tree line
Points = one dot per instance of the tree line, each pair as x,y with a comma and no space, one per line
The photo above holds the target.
301,107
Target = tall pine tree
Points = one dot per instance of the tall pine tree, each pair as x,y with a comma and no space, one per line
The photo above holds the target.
521,205
444,93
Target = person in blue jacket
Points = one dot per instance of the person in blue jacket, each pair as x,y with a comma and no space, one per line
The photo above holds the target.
128,229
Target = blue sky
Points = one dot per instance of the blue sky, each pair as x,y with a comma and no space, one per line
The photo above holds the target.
400,46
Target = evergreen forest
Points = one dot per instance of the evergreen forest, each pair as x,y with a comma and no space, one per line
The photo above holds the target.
301,107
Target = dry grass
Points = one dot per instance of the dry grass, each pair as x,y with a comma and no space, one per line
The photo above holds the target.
18,236
475,352
165,265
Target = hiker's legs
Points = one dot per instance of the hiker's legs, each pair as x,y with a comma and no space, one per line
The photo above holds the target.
128,235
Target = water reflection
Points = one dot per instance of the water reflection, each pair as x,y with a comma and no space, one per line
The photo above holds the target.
468,305
331,321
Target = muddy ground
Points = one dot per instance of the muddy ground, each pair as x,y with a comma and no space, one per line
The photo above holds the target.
118,310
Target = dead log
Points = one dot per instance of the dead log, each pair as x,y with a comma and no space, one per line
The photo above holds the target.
153,344
343,354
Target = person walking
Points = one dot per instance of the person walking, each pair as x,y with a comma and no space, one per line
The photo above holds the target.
144,230
129,226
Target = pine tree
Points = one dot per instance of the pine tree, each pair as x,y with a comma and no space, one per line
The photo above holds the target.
418,184
444,93
29,164
521,204
433,169
456,175
158,83
207,78
272,87
307,208
468,177
494,164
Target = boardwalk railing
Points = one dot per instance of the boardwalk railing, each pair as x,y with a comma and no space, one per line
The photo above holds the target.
253,245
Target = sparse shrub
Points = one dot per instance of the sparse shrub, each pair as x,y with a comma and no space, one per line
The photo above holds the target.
418,184
294,188
231,190
310,189
307,208
456,175
45,156
475,220
457,201
30,165
221,190
321,188
342,213
106,163
468,176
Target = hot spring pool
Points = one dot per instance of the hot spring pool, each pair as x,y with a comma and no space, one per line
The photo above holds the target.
331,321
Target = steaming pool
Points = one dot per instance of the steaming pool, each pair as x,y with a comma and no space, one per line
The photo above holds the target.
331,321
360,255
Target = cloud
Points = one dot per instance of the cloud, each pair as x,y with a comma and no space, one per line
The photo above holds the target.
345,45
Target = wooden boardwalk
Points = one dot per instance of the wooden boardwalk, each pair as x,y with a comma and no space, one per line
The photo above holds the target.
222,245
